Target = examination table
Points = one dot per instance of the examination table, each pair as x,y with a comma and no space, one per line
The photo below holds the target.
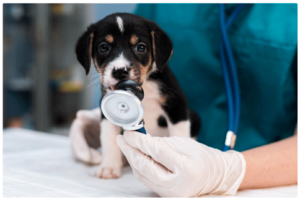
37,164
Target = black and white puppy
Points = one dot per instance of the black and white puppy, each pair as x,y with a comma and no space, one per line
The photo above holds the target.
127,46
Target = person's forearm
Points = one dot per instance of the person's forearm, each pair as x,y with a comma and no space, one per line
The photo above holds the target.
271,165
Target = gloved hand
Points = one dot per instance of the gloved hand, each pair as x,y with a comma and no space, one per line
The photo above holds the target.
182,167
84,134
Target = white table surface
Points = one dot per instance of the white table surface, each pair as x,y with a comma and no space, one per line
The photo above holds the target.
37,164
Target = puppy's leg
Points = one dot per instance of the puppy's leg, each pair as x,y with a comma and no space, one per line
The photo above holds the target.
182,128
186,128
111,154
195,123
87,123
177,118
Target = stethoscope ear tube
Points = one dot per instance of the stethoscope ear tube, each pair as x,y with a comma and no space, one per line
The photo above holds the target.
231,85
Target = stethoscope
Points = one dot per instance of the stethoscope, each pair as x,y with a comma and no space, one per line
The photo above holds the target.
230,77
123,106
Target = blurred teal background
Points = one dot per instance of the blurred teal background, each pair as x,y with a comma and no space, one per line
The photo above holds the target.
44,85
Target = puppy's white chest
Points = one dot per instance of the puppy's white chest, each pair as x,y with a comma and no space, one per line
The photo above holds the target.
153,110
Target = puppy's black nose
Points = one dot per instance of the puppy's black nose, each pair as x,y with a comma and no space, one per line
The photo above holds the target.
120,73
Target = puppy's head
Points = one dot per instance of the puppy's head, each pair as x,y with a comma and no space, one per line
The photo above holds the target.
124,46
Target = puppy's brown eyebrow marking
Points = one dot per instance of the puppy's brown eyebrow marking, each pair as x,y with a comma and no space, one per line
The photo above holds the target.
99,69
90,48
109,38
134,39
153,44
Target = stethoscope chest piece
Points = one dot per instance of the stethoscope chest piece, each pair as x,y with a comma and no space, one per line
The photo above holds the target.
123,106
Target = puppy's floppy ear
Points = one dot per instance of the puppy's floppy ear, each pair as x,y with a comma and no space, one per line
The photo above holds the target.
84,48
161,45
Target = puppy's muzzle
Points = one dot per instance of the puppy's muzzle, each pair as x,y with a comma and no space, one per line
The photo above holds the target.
120,73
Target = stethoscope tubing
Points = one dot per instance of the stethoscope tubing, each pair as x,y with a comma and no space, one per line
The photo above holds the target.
230,75
142,130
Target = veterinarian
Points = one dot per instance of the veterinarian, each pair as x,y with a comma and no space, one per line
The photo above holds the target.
263,40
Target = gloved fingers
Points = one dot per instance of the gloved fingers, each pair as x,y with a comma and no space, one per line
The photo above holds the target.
92,134
89,116
90,120
79,145
185,145
161,191
154,147
145,165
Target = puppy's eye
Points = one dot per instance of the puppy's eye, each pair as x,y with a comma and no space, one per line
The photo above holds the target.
103,47
140,47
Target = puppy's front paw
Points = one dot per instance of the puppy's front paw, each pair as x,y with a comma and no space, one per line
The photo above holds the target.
108,172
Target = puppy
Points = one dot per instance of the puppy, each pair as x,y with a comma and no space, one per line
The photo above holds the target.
126,46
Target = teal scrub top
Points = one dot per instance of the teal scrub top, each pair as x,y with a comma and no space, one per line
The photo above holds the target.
263,39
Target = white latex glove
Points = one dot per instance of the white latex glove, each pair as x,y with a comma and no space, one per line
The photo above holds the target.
182,167
84,134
